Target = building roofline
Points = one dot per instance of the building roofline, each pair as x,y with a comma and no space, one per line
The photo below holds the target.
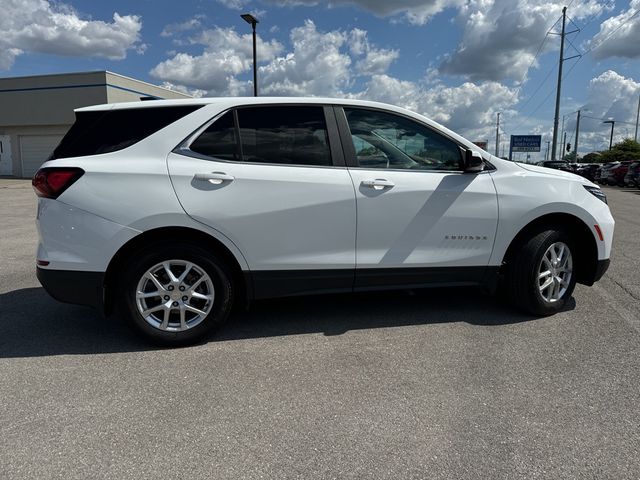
53,74
90,72
146,83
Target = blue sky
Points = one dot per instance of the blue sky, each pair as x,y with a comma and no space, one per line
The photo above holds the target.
458,62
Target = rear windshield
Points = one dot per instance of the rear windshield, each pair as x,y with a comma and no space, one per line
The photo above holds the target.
111,130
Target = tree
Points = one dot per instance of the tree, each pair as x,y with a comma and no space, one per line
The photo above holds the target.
627,149
593,157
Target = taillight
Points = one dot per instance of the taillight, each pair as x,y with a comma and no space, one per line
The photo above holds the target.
50,182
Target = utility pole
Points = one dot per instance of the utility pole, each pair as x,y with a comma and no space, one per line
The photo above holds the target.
637,118
564,145
498,135
575,144
555,119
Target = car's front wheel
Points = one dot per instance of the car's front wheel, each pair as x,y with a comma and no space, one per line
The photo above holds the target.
540,275
175,294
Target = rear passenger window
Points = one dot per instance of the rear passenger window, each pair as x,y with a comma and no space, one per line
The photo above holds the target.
289,135
218,140
106,131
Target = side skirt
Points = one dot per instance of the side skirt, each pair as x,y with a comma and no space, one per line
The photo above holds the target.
285,283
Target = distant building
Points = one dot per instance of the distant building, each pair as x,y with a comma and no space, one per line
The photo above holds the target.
36,111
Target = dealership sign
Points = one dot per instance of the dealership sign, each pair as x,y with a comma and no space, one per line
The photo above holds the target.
524,143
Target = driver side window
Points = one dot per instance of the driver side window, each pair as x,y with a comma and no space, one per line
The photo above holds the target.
384,140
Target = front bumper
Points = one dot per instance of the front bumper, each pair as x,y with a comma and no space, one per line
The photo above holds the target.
71,286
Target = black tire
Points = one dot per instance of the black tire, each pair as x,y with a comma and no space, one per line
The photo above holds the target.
521,279
157,253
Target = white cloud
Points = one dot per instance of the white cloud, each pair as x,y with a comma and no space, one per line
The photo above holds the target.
609,96
501,37
619,36
55,28
468,108
233,4
417,12
319,63
176,28
316,66
331,63
226,55
376,60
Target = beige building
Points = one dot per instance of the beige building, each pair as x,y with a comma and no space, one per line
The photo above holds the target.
36,111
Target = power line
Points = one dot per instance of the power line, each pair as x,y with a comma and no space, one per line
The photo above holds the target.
540,85
547,97
573,66
591,49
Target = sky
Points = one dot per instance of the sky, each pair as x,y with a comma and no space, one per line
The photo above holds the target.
458,62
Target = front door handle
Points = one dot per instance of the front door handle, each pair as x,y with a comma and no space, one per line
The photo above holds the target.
214,177
378,183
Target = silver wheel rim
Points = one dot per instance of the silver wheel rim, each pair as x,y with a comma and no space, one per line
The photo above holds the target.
554,272
175,295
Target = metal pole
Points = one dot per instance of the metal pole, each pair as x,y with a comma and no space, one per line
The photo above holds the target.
255,66
498,135
564,145
613,122
546,154
575,144
560,139
555,119
637,118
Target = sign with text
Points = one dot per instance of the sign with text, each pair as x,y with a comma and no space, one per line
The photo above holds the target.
482,144
525,143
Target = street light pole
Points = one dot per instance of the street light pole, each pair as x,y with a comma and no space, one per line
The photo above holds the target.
546,154
251,20
637,119
612,122
498,135
560,138
575,144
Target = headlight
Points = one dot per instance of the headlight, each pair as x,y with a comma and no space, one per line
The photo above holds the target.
596,192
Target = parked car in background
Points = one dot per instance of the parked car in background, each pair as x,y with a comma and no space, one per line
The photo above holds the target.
172,211
632,178
588,171
605,170
617,173
555,164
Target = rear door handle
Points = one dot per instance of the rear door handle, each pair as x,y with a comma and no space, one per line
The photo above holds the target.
214,177
378,183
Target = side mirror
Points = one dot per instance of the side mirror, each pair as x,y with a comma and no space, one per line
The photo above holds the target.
473,162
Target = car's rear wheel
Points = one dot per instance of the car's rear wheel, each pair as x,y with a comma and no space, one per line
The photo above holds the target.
540,275
175,294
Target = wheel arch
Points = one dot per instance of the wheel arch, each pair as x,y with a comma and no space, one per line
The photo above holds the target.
586,248
179,235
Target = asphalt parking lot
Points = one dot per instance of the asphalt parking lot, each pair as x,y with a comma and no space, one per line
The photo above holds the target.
436,384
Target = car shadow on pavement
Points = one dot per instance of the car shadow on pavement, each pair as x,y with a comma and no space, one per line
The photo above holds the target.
33,324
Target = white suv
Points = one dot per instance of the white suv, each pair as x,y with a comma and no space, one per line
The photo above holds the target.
174,211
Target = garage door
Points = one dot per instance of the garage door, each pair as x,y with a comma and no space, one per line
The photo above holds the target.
34,151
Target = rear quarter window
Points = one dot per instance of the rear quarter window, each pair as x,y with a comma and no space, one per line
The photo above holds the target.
107,131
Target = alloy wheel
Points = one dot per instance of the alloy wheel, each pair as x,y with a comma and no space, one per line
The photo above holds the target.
175,295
